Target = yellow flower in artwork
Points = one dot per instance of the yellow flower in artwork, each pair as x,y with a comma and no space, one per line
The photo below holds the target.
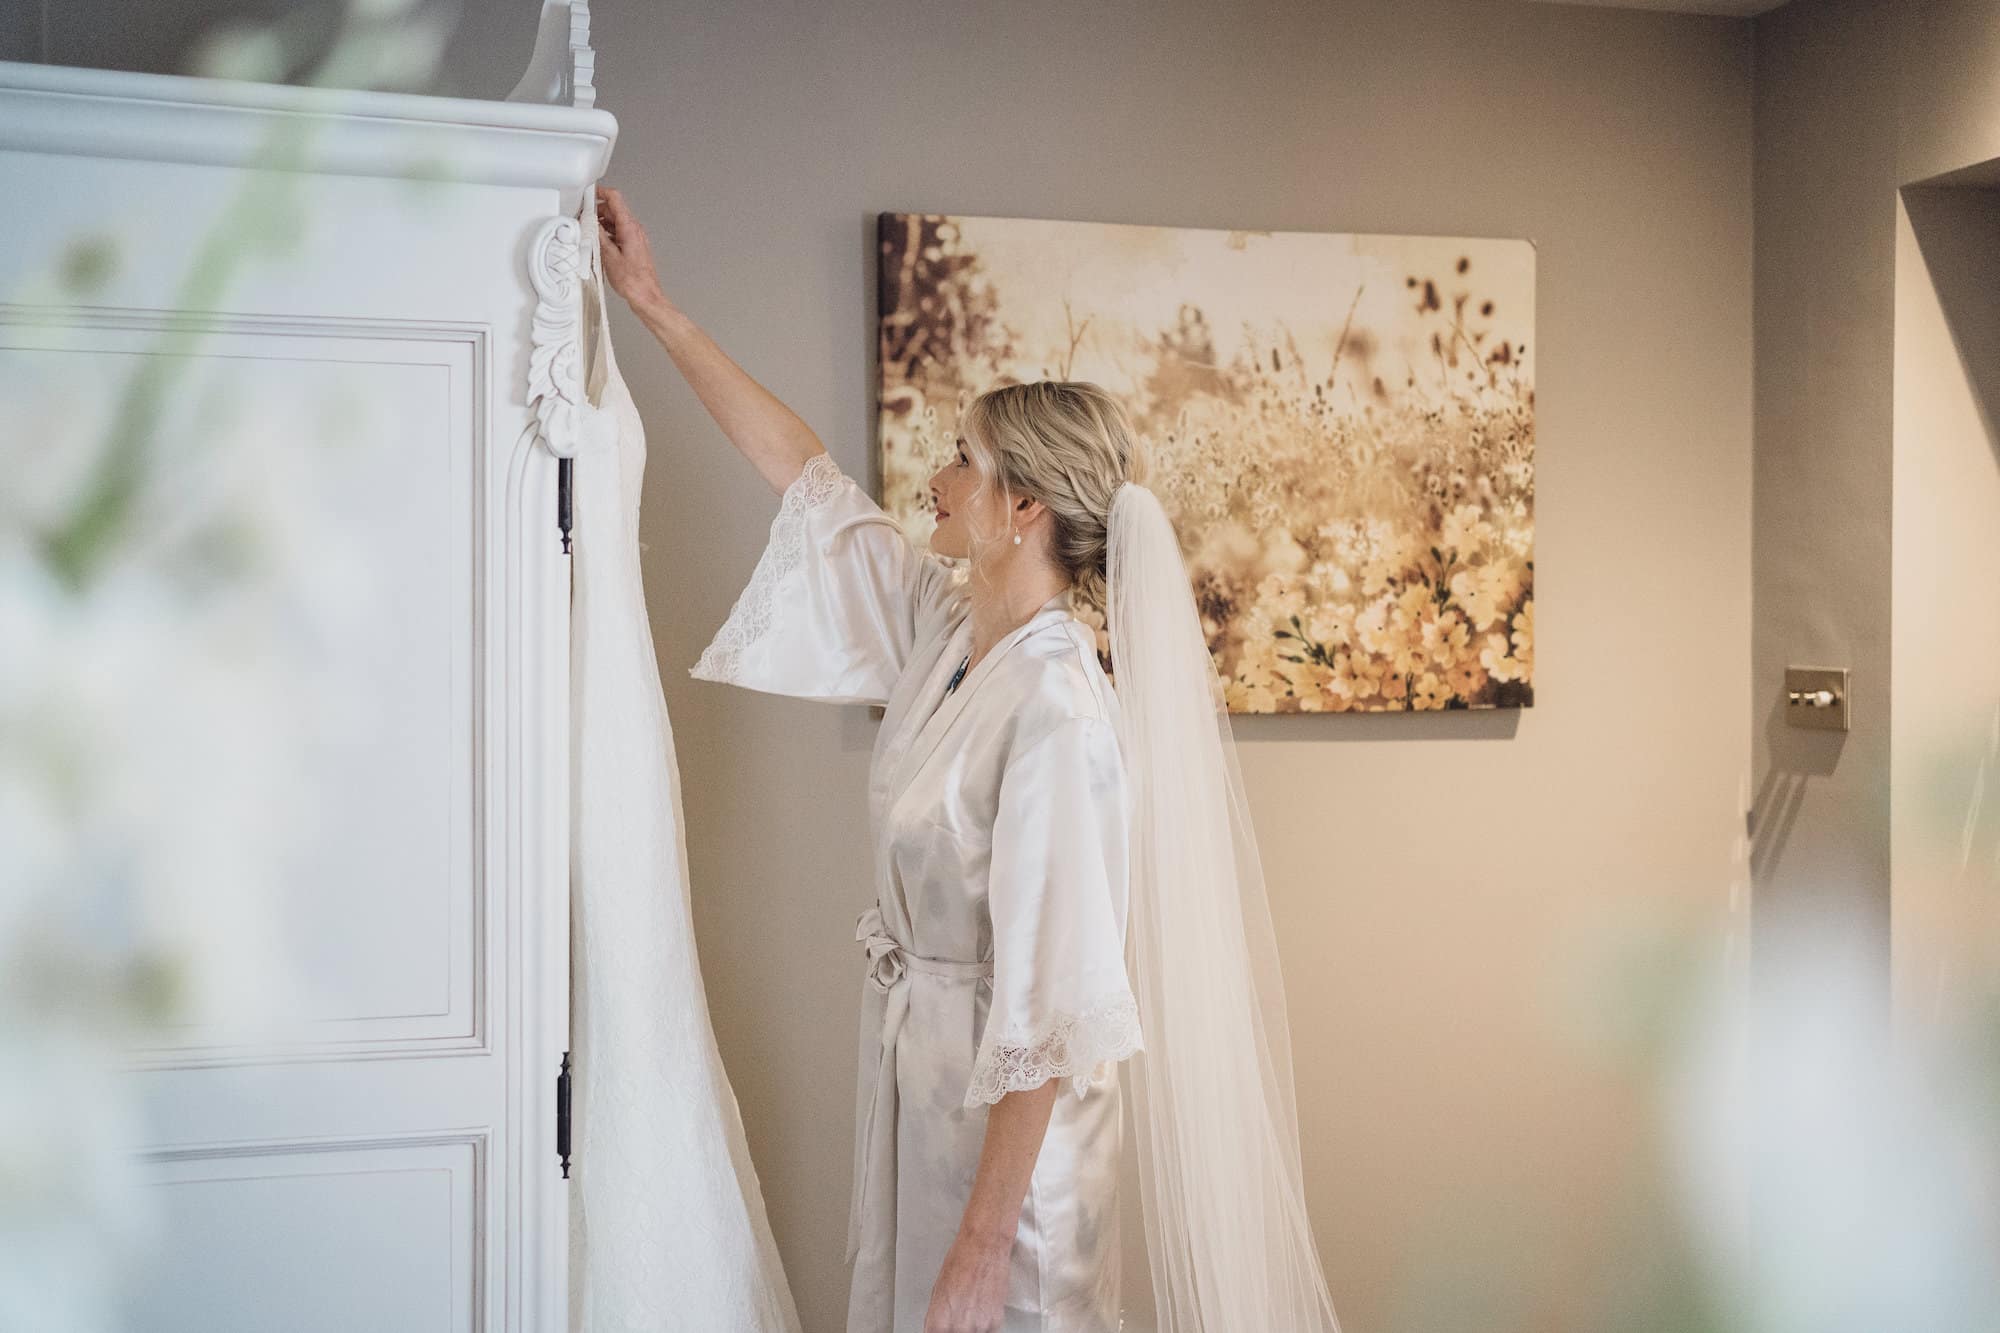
1465,531
1411,605
1309,677
1445,637
1371,627
1327,580
1474,592
1497,661
1503,581
1283,595
1524,634
1430,691
1329,626
1260,657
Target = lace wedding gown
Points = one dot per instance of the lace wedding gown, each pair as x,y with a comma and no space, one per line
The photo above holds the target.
667,1222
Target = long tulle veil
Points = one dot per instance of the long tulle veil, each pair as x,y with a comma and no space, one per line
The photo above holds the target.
1227,1234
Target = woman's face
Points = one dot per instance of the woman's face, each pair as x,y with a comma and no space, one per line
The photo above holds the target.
967,507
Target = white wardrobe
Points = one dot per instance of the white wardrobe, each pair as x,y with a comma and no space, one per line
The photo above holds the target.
388,1161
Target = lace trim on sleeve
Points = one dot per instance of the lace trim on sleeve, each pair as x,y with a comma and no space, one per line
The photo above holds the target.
816,483
1073,1046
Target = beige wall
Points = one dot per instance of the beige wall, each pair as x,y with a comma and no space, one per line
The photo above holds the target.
1948,95
1945,741
1440,883
1825,211
1875,501
1945,767
1437,880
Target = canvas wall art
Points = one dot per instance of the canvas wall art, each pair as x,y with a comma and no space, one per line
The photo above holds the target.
1342,427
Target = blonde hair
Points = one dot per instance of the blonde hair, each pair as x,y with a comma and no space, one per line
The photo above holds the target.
1068,444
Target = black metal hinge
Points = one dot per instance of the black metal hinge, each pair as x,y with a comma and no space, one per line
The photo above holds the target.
563,517
562,1115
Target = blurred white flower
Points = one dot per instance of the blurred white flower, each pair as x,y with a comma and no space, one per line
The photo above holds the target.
1836,1177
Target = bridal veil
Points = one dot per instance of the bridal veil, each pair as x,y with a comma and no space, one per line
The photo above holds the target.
1223,1196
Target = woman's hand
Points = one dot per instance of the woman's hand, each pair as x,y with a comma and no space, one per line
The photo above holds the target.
769,433
628,255
971,1289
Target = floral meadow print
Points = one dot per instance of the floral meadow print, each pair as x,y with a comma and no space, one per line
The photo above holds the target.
1342,427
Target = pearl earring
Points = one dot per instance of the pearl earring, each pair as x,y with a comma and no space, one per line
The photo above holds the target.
1017,539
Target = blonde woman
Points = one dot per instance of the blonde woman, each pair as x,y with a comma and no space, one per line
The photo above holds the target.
1019,807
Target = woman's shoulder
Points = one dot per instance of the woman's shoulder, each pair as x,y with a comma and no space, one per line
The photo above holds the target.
1059,678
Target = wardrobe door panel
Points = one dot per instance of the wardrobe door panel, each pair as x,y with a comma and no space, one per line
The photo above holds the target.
295,1238
383,884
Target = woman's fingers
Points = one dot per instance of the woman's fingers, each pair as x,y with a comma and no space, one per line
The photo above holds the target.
628,257
616,212
614,217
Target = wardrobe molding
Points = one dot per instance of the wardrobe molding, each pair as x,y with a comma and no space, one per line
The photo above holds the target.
229,123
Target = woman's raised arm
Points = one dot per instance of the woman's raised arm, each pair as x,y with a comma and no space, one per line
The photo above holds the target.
767,432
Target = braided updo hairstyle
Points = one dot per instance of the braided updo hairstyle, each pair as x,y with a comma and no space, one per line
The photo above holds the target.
1068,444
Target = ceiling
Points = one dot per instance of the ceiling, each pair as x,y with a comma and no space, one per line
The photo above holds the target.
1735,8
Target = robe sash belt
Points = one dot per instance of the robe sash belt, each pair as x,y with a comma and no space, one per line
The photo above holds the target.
889,964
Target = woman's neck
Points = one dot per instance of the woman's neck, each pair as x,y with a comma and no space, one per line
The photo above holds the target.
1002,603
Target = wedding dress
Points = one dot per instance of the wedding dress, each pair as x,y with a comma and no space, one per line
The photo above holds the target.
667,1223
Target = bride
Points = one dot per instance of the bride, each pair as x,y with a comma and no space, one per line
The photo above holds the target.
1065,874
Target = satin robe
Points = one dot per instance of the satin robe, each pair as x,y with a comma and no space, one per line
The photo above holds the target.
993,957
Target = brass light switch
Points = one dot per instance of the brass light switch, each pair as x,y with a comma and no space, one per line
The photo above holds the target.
1816,697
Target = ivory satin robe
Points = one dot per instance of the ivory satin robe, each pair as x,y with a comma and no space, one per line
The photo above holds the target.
993,958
